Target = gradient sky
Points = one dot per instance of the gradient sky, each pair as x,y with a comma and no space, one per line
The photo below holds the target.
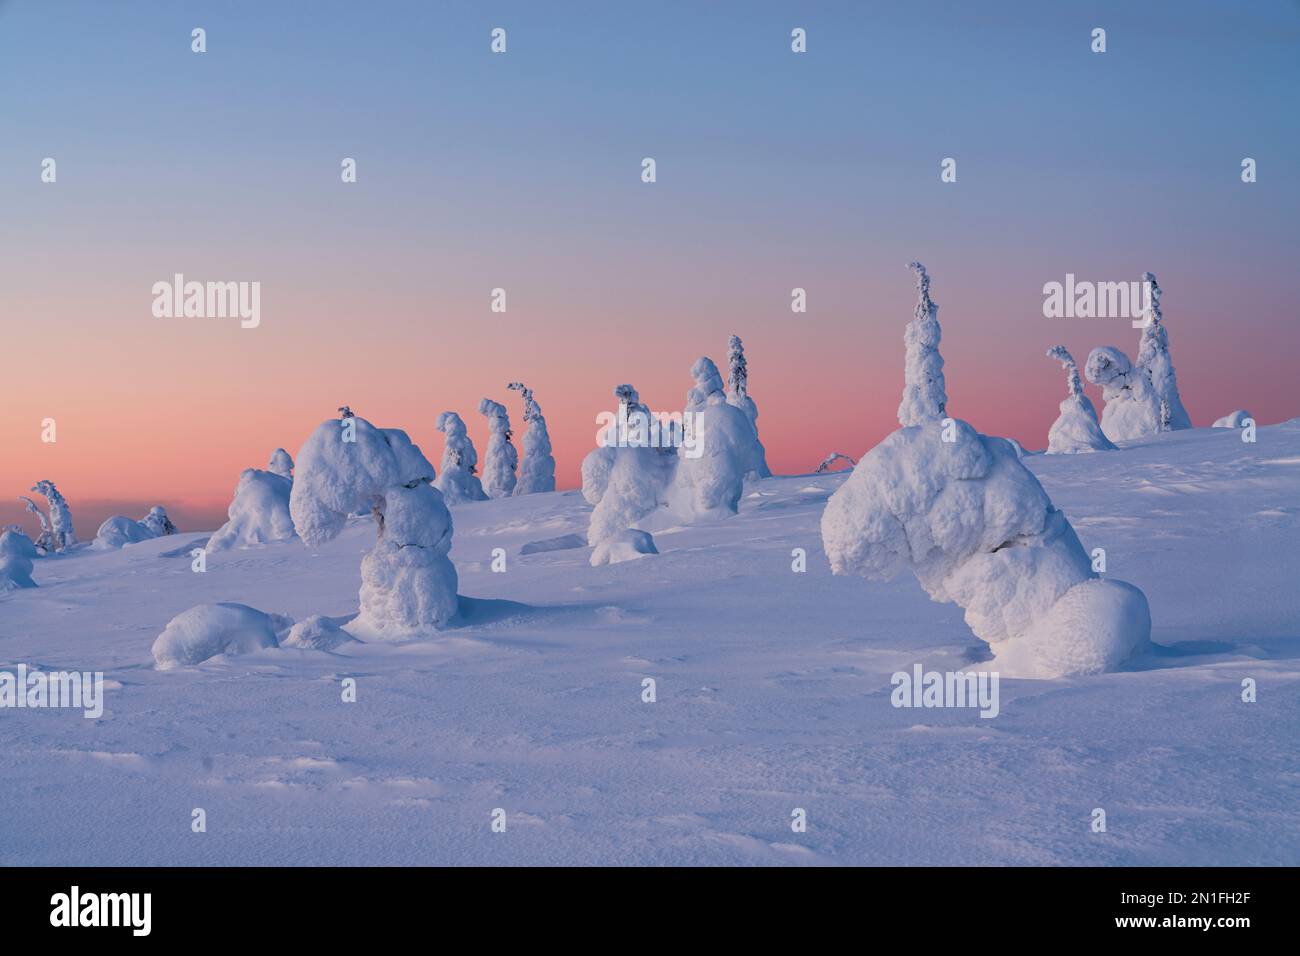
522,171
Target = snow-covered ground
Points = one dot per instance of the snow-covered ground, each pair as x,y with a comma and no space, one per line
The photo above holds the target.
773,692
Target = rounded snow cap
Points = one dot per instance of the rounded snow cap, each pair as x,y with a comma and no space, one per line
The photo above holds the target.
1105,364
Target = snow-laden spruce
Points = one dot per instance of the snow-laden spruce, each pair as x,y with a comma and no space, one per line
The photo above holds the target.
281,464
61,534
1233,419
1076,430
457,480
44,543
16,555
1153,359
739,396
207,630
829,462
501,459
977,529
158,522
624,478
408,583
924,397
258,513
1132,409
537,470
709,484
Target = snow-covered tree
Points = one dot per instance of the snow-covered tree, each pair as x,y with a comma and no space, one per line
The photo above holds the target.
45,540
829,461
16,554
739,397
458,481
207,630
1132,408
501,459
924,398
1153,359
158,522
537,470
258,513
1076,429
408,583
960,511
281,464
709,480
118,531
61,534
1233,419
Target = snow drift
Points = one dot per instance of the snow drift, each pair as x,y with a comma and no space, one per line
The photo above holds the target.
207,630
259,512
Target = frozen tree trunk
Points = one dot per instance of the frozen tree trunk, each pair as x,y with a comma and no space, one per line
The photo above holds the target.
458,481
61,533
961,512
537,470
739,397
501,459
1154,361
1076,430
408,583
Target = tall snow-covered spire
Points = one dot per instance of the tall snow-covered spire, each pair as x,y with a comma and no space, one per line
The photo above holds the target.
924,398
1154,361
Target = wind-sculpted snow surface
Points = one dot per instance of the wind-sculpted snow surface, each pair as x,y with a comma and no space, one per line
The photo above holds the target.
408,583
501,459
204,631
457,480
962,512
16,555
1076,430
259,512
1132,407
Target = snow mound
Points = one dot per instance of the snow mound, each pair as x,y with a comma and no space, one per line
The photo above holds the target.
318,633
259,512
119,531
16,554
207,630
1091,629
625,546
563,543
1233,419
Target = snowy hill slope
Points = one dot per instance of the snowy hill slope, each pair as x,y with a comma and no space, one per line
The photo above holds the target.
773,692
